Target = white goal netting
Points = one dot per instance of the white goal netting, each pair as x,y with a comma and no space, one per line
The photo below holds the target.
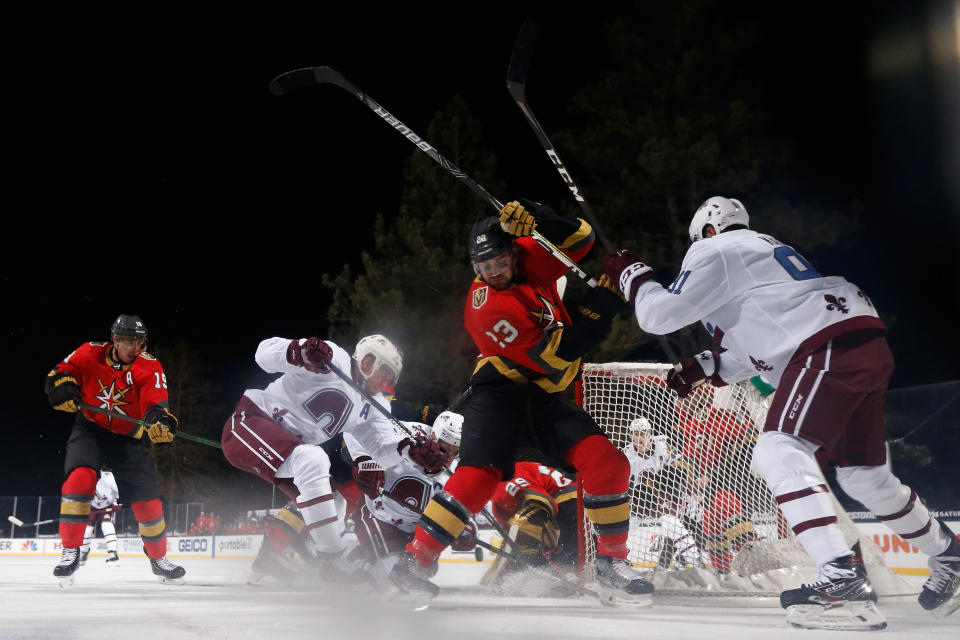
702,522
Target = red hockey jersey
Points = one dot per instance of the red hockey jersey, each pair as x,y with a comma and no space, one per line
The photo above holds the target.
531,477
519,329
131,389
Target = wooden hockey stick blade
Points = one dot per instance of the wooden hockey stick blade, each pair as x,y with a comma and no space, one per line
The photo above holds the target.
15,520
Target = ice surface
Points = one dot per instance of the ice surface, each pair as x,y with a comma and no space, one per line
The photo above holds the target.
128,603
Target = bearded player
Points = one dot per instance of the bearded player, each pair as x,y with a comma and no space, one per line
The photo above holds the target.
529,354
122,377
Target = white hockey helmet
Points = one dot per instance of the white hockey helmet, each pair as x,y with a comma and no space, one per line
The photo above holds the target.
384,354
447,427
720,213
640,424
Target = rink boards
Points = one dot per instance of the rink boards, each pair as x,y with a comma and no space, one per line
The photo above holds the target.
899,555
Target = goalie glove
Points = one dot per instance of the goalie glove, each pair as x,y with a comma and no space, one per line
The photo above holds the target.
538,531
368,474
161,425
426,453
63,392
690,373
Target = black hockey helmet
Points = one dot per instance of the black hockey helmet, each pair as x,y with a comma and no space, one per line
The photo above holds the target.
488,240
126,325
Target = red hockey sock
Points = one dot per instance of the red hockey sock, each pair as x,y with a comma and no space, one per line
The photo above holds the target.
77,492
276,538
605,472
467,490
149,513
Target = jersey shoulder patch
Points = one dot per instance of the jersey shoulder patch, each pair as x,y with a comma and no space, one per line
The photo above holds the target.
147,356
479,297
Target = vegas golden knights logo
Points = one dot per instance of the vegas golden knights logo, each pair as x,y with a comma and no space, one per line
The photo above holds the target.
479,297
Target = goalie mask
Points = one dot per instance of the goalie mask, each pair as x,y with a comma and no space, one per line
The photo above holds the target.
720,213
384,354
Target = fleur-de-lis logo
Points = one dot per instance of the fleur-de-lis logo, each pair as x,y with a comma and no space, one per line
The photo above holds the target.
836,303
865,297
760,365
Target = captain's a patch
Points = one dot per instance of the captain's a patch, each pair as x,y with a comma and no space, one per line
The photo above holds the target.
479,297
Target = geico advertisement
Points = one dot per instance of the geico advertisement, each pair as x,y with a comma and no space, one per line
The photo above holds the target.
194,547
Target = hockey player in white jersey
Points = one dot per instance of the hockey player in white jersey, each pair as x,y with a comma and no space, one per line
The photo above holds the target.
395,495
103,510
819,341
273,432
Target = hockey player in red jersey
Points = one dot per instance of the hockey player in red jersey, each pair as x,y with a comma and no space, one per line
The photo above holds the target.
818,339
122,377
529,354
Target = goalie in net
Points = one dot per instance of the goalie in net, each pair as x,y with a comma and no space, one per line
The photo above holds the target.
820,342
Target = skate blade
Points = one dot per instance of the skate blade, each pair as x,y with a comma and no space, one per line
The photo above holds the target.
611,597
65,582
410,600
947,607
176,581
851,616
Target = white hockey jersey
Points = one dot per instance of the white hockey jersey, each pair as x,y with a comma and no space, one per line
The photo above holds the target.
651,464
404,483
759,298
318,406
107,492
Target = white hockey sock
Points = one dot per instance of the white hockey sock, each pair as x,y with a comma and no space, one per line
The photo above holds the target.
309,467
894,504
87,538
109,535
787,465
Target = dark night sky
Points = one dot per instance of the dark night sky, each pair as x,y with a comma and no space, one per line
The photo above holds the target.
154,174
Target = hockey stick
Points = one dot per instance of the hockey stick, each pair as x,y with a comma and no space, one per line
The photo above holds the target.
517,70
520,61
122,416
20,523
310,76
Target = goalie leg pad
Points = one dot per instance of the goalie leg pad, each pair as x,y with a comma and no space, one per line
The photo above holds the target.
895,505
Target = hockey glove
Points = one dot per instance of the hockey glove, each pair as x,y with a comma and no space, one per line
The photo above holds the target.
426,453
161,425
538,530
468,537
313,355
516,220
63,392
627,272
368,475
690,373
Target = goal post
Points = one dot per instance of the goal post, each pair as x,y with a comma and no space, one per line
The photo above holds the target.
702,522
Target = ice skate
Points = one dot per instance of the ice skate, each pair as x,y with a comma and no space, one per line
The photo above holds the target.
112,559
940,594
619,582
336,568
415,590
841,599
166,571
269,569
69,562
83,557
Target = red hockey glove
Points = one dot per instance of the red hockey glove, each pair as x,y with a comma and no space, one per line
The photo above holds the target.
427,454
468,538
313,355
627,272
690,373
369,476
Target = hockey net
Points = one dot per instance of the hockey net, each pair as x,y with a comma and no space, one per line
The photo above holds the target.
702,522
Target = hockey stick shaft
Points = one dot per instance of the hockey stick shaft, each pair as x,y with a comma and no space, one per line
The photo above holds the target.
517,70
121,416
20,523
300,78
